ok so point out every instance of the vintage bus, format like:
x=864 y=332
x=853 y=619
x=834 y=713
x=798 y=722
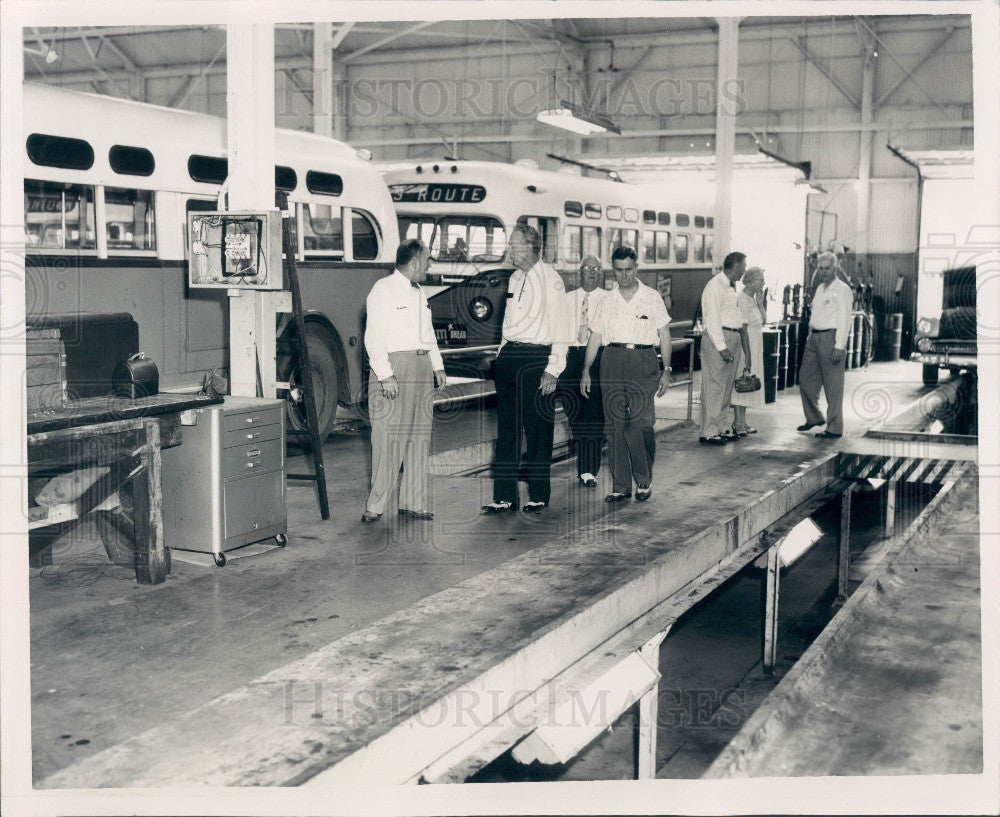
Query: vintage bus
x=465 y=210
x=108 y=186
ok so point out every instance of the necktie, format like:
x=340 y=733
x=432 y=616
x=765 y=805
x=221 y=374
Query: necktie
x=414 y=284
x=584 y=334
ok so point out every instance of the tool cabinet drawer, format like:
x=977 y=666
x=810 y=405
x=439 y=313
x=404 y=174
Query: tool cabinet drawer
x=250 y=435
x=253 y=504
x=265 y=416
x=251 y=458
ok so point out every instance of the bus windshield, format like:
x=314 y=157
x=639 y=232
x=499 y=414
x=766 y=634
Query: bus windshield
x=457 y=238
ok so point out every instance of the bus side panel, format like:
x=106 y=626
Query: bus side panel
x=151 y=291
x=685 y=291
x=204 y=337
x=338 y=293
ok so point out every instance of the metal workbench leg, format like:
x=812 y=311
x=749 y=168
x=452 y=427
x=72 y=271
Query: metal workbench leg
x=648 y=713
x=844 y=547
x=890 y=508
x=771 y=608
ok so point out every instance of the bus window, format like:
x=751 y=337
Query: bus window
x=631 y=214
x=547 y=229
x=60 y=151
x=680 y=247
x=573 y=209
x=710 y=222
x=592 y=210
x=364 y=235
x=571 y=245
x=630 y=238
x=613 y=213
x=592 y=241
x=683 y=220
x=663 y=218
x=649 y=216
x=699 y=247
x=59 y=216
x=614 y=239
x=469 y=238
x=662 y=246
x=649 y=246
x=131 y=161
x=708 y=247
x=129 y=219
x=421 y=227
x=323 y=229
x=699 y=222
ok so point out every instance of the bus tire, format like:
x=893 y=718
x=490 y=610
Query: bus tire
x=931 y=373
x=325 y=383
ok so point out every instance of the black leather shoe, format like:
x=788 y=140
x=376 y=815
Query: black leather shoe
x=807 y=426
x=370 y=517
x=534 y=507
x=415 y=514
x=828 y=435
x=713 y=440
x=642 y=494
x=499 y=507
x=617 y=497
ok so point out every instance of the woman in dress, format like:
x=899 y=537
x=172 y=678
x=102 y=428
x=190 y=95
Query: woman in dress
x=749 y=303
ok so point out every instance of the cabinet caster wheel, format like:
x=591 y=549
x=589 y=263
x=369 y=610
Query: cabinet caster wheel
x=281 y=540
x=220 y=559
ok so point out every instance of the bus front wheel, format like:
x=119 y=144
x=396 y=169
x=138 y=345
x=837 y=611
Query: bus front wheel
x=324 y=380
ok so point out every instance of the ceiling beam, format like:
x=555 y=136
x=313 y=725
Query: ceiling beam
x=128 y=92
x=184 y=92
x=826 y=71
x=127 y=62
x=342 y=32
x=627 y=72
x=299 y=85
x=907 y=75
x=388 y=39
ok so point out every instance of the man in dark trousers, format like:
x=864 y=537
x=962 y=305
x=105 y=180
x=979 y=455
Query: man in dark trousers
x=585 y=414
x=631 y=323
x=531 y=358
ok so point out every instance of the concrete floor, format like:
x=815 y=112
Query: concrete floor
x=111 y=658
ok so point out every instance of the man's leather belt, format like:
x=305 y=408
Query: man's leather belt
x=731 y=329
x=817 y=331
x=518 y=344
x=631 y=345
x=411 y=352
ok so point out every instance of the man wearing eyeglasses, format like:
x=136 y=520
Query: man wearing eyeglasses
x=585 y=414
x=631 y=322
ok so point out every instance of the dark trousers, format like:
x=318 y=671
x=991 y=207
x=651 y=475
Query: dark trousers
x=585 y=415
x=629 y=379
x=521 y=408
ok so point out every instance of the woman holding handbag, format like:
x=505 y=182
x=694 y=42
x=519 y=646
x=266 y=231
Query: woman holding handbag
x=749 y=301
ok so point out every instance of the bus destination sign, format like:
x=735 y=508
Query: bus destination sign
x=433 y=192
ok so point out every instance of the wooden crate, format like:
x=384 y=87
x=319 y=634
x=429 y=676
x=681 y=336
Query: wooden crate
x=45 y=369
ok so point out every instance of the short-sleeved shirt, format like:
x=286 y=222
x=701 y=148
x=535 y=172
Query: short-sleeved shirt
x=634 y=321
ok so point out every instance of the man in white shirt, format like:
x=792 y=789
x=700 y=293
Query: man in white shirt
x=531 y=358
x=585 y=414
x=823 y=359
x=406 y=365
x=722 y=346
x=630 y=322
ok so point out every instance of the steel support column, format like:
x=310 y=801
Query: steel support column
x=726 y=100
x=890 y=508
x=865 y=152
x=250 y=186
x=323 y=79
x=648 y=712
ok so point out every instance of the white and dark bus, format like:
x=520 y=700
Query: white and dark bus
x=465 y=211
x=108 y=186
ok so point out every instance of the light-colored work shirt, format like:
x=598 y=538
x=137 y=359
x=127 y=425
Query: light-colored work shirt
x=534 y=313
x=580 y=305
x=719 y=309
x=636 y=320
x=399 y=320
x=832 y=307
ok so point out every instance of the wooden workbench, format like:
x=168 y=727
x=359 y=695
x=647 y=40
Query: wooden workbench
x=126 y=437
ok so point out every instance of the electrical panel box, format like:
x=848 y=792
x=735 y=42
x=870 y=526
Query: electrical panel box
x=235 y=250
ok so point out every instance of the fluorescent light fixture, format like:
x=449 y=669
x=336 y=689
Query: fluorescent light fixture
x=569 y=117
x=799 y=539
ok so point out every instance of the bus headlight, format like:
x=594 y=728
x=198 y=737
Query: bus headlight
x=924 y=326
x=480 y=308
x=925 y=344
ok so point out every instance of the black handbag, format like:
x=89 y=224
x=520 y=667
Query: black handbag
x=135 y=377
x=747 y=382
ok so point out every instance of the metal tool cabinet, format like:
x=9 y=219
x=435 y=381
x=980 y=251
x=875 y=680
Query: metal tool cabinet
x=225 y=486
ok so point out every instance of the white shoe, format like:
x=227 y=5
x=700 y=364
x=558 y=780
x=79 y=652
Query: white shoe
x=588 y=479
